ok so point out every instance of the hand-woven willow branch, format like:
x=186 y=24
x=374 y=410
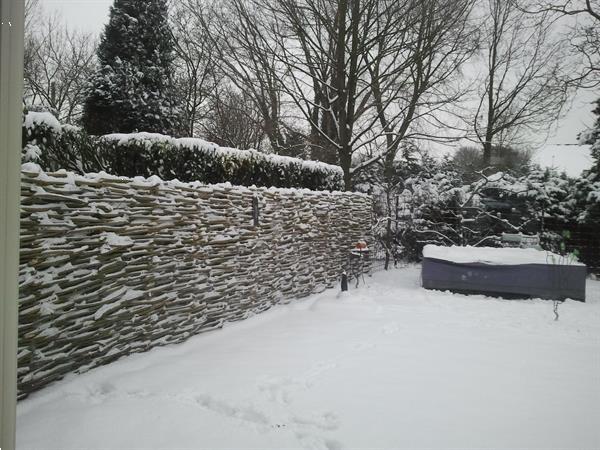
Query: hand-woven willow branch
x=113 y=266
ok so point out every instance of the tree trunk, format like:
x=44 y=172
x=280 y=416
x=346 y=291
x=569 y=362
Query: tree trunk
x=346 y=165
x=487 y=154
x=388 y=237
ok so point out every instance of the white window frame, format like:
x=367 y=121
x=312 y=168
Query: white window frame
x=11 y=94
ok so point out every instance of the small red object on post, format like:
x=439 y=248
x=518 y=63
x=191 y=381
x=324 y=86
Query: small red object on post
x=361 y=246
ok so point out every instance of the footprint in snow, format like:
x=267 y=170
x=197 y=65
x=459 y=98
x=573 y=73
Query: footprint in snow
x=319 y=369
x=390 y=328
x=279 y=389
x=364 y=346
x=312 y=442
x=325 y=421
x=93 y=394
x=139 y=393
x=245 y=413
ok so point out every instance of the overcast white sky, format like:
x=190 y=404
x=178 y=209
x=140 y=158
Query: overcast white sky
x=88 y=15
x=91 y=15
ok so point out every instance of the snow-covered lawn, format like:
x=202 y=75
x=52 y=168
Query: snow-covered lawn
x=388 y=365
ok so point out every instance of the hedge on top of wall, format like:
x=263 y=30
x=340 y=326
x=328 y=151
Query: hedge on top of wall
x=54 y=146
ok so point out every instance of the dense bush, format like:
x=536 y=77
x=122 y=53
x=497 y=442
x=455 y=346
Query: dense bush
x=55 y=147
x=424 y=201
x=542 y=202
x=438 y=208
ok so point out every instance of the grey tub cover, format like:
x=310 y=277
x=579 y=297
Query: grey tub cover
x=548 y=281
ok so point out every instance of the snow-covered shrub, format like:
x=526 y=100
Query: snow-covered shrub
x=55 y=147
x=423 y=201
x=584 y=227
x=586 y=197
x=41 y=130
x=427 y=201
x=468 y=161
x=546 y=205
x=545 y=191
x=192 y=159
x=385 y=180
x=437 y=206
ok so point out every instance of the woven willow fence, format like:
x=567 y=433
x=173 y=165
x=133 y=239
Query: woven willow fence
x=112 y=266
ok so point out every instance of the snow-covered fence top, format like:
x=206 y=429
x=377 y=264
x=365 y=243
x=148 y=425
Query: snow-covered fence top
x=111 y=265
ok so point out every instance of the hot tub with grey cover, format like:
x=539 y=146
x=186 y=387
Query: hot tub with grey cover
x=505 y=272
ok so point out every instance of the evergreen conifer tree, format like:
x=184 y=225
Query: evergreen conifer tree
x=133 y=89
x=587 y=188
x=592 y=137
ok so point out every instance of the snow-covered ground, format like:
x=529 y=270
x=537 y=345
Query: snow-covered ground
x=388 y=365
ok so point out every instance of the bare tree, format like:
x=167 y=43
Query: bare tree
x=33 y=18
x=583 y=25
x=32 y=15
x=521 y=90
x=195 y=65
x=58 y=64
x=362 y=73
x=320 y=47
x=414 y=72
x=243 y=57
x=232 y=120
x=356 y=75
x=412 y=79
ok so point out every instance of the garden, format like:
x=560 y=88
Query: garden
x=319 y=225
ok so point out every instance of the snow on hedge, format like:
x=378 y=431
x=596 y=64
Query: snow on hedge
x=42 y=119
x=57 y=147
x=147 y=140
